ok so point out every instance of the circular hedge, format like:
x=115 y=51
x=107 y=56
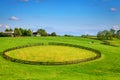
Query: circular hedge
x=98 y=55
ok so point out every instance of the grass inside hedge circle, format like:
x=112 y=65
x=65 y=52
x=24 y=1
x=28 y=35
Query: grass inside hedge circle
x=50 y=53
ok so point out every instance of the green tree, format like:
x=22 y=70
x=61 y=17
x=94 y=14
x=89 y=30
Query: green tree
x=104 y=35
x=22 y=31
x=10 y=29
x=29 y=32
x=17 y=32
x=42 y=32
x=118 y=34
x=6 y=30
x=85 y=36
x=112 y=31
x=100 y=36
x=25 y=32
x=108 y=35
x=53 y=34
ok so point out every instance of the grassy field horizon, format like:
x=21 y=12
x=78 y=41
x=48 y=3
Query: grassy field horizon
x=105 y=68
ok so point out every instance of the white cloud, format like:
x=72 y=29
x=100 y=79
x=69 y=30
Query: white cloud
x=13 y=18
x=0 y=25
x=113 y=9
x=24 y=0
x=116 y=27
x=7 y=27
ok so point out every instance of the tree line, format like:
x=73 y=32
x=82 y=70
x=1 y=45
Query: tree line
x=25 y=32
x=16 y=32
x=108 y=34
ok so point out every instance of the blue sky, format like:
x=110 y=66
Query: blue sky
x=73 y=17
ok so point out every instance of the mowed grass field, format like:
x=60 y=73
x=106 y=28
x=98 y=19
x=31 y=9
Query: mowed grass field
x=105 y=68
x=114 y=42
x=50 y=53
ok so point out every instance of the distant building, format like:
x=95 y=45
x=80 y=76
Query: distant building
x=9 y=33
x=36 y=34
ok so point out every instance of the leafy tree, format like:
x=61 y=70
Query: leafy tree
x=67 y=35
x=25 y=32
x=6 y=30
x=112 y=31
x=53 y=34
x=118 y=34
x=29 y=32
x=10 y=29
x=104 y=35
x=42 y=32
x=85 y=36
x=22 y=31
x=100 y=36
x=108 y=35
x=17 y=32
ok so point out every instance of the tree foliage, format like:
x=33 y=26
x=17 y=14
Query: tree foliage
x=67 y=35
x=104 y=35
x=26 y=32
x=53 y=34
x=108 y=35
x=29 y=32
x=85 y=36
x=42 y=32
x=112 y=31
x=17 y=32
x=118 y=34
x=8 y=30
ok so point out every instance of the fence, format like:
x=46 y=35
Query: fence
x=98 y=55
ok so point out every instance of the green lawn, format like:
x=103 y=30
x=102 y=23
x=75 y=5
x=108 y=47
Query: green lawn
x=115 y=42
x=105 y=68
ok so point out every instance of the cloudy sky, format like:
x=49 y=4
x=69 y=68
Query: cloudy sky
x=73 y=17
